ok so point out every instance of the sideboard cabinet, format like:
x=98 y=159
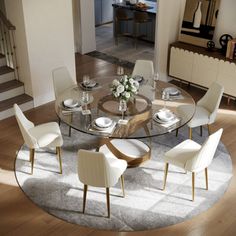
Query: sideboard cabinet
x=198 y=66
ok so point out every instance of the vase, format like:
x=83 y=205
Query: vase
x=197 y=16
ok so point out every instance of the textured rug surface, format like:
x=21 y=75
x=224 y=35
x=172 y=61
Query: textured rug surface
x=145 y=206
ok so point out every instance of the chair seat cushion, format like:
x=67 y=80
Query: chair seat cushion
x=48 y=134
x=131 y=147
x=200 y=117
x=181 y=153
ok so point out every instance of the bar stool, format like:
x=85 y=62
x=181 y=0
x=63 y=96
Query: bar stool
x=139 y=19
x=121 y=16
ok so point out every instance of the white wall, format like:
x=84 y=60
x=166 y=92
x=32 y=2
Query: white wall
x=50 y=42
x=169 y=20
x=226 y=22
x=84 y=26
x=15 y=15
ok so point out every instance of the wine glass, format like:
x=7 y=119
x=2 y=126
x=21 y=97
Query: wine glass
x=86 y=80
x=122 y=107
x=165 y=96
x=85 y=99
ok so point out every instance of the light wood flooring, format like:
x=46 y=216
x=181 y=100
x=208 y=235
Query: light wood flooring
x=19 y=216
x=125 y=49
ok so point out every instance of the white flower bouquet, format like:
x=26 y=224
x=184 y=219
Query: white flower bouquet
x=124 y=88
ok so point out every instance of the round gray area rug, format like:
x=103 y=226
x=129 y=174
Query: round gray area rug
x=145 y=206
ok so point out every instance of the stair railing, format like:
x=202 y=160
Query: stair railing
x=7 y=43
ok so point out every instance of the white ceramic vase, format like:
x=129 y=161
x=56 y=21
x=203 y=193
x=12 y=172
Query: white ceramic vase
x=197 y=16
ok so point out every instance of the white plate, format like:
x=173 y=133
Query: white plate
x=172 y=91
x=91 y=84
x=70 y=103
x=103 y=122
x=138 y=78
x=164 y=116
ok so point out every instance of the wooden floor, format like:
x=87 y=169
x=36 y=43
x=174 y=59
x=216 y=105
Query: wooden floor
x=19 y=216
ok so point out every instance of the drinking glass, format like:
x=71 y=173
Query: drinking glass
x=155 y=79
x=120 y=70
x=165 y=96
x=86 y=80
x=85 y=99
x=122 y=107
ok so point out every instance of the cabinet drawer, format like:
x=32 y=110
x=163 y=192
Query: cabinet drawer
x=181 y=63
x=205 y=70
x=227 y=77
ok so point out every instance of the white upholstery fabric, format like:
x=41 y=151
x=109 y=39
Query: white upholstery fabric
x=130 y=147
x=48 y=134
x=193 y=157
x=95 y=169
x=201 y=115
x=206 y=108
x=43 y=135
x=61 y=80
x=145 y=69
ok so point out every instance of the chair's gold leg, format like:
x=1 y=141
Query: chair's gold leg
x=122 y=184
x=165 y=177
x=84 y=197
x=209 y=131
x=193 y=185
x=206 y=175
x=108 y=202
x=201 y=130
x=177 y=132
x=32 y=151
x=190 y=133
x=69 y=131
x=58 y=151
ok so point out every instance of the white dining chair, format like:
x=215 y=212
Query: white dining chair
x=145 y=69
x=206 y=109
x=193 y=157
x=62 y=80
x=40 y=136
x=97 y=170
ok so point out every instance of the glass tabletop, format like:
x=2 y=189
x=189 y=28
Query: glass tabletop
x=140 y=119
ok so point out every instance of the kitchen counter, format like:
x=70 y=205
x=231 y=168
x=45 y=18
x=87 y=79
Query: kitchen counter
x=152 y=6
x=147 y=29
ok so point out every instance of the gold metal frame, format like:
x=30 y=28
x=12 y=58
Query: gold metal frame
x=32 y=155
x=193 y=180
x=107 y=196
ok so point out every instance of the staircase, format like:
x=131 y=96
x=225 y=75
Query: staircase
x=11 y=88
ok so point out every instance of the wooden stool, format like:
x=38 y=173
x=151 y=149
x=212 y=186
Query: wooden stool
x=121 y=16
x=139 y=19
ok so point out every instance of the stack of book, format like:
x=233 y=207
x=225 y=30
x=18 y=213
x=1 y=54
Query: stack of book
x=231 y=49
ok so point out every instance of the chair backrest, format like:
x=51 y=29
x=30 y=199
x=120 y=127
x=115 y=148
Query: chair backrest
x=94 y=169
x=211 y=100
x=61 y=80
x=140 y=16
x=145 y=69
x=121 y=14
x=205 y=155
x=24 y=125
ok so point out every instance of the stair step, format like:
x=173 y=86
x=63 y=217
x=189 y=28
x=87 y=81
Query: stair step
x=3 y=60
x=6 y=104
x=11 y=89
x=6 y=107
x=6 y=73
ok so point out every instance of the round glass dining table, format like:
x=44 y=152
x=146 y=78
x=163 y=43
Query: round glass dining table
x=138 y=116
